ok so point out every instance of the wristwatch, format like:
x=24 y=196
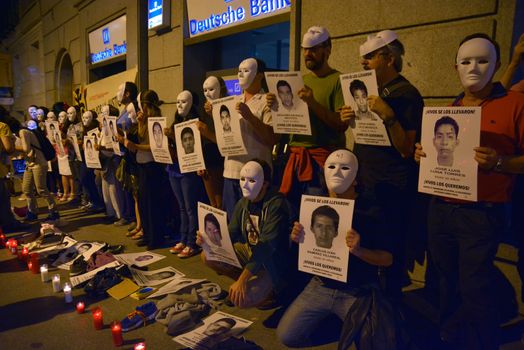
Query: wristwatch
x=498 y=165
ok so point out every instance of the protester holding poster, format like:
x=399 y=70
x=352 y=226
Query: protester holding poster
x=91 y=153
x=387 y=174
x=188 y=187
x=160 y=144
x=463 y=237
x=367 y=242
x=259 y=230
x=189 y=146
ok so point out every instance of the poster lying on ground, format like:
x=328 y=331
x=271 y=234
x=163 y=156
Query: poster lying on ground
x=76 y=280
x=80 y=249
x=175 y=285
x=158 y=141
x=212 y=225
x=290 y=114
x=216 y=328
x=449 y=136
x=367 y=127
x=227 y=127
x=139 y=259
x=155 y=277
x=326 y=222
x=189 y=146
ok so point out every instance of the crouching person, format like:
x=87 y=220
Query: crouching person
x=369 y=249
x=259 y=231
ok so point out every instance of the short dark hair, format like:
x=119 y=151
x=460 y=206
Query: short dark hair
x=113 y=111
x=88 y=142
x=228 y=320
x=186 y=130
x=224 y=108
x=132 y=89
x=357 y=85
x=482 y=36
x=446 y=120
x=281 y=83
x=325 y=210
x=261 y=65
x=210 y=217
x=155 y=124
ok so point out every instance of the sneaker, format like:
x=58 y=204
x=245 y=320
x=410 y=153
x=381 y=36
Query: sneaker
x=54 y=215
x=121 y=222
x=78 y=267
x=188 y=252
x=139 y=317
x=178 y=248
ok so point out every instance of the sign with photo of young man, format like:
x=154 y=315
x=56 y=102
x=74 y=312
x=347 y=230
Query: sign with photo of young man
x=158 y=141
x=189 y=147
x=227 y=127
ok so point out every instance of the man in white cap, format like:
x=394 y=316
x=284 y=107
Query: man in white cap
x=463 y=236
x=323 y=94
x=387 y=174
x=368 y=243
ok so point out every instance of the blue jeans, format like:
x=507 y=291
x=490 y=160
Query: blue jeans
x=307 y=311
x=231 y=194
x=188 y=191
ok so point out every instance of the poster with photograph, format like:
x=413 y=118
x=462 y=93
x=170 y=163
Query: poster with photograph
x=92 y=154
x=54 y=248
x=368 y=128
x=113 y=130
x=155 y=277
x=449 y=135
x=326 y=222
x=212 y=225
x=227 y=127
x=80 y=249
x=290 y=114
x=139 y=259
x=158 y=141
x=175 y=285
x=55 y=137
x=216 y=328
x=189 y=147
x=63 y=165
x=76 y=147
x=95 y=133
x=76 y=280
x=106 y=131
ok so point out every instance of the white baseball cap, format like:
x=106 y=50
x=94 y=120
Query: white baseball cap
x=315 y=35
x=376 y=41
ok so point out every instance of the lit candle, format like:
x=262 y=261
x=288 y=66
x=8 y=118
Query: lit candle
x=30 y=265
x=98 y=320
x=116 y=330
x=80 y=307
x=14 y=247
x=56 y=284
x=25 y=253
x=140 y=346
x=67 y=293
x=35 y=265
x=2 y=239
x=8 y=244
x=44 y=273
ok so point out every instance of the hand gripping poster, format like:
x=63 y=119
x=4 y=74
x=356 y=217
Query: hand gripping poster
x=290 y=114
x=227 y=127
x=212 y=225
x=189 y=147
x=158 y=141
x=367 y=127
x=449 y=136
x=323 y=251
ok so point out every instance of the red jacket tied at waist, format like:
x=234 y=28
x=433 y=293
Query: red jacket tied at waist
x=300 y=160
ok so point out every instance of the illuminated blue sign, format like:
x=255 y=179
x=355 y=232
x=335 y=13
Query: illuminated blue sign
x=232 y=86
x=154 y=14
x=105 y=36
x=108 y=53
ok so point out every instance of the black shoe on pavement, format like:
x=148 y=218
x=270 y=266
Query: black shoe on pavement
x=79 y=267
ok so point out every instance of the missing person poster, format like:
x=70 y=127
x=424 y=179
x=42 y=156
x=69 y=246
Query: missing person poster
x=91 y=154
x=158 y=141
x=155 y=277
x=449 y=136
x=216 y=328
x=212 y=225
x=113 y=130
x=82 y=249
x=290 y=114
x=55 y=137
x=227 y=127
x=106 y=131
x=175 y=285
x=139 y=259
x=74 y=142
x=326 y=222
x=96 y=134
x=189 y=147
x=367 y=127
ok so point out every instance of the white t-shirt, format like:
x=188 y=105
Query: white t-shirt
x=254 y=146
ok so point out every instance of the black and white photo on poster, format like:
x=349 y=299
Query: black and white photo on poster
x=155 y=277
x=158 y=140
x=91 y=153
x=139 y=259
x=81 y=248
x=74 y=141
x=175 y=285
x=227 y=127
x=113 y=130
x=189 y=146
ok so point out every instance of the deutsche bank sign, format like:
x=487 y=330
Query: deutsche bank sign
x=105 y=36
x=109 y=41
x=218 y=14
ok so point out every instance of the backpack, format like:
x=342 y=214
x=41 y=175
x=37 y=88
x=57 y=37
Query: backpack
x=45 y=145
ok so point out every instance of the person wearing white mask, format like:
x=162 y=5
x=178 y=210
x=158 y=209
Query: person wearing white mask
x=187 y=188
x=213 y=177
x=463 y=237
x=259 y=230
x=369 y=245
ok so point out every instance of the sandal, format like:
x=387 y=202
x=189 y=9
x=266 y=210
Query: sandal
x=188 y=252
x=178 y=248
x=138 y=235
x=133 y=232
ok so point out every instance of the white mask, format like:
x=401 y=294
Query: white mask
x=131 y=113
x=31 y=125
x=62 y=116
x=184 y=101
x=247 y=70
x=211 y=88
x=340 y=170
x=32 y=112
x=51 y=116
x=40 y=114
x=71 y=114
x=87 y=118
x=104 y=112
x=251 y=180
x=139 y=104
x=120 y=92
x=476 y=63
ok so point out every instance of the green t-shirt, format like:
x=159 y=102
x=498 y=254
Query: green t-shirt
x=328 y=92
x=4 y=158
